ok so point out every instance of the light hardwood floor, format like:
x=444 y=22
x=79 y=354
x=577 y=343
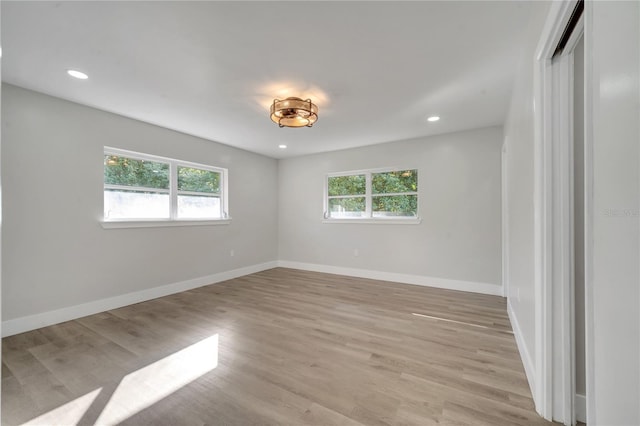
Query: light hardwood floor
x=292 y=347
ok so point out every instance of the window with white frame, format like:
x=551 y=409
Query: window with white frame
x=372 y=194
x=139 y=187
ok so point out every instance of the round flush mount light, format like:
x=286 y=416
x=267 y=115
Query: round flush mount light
x=433 y=118
x=77 y=74
x=282 y=146
x=294 y=112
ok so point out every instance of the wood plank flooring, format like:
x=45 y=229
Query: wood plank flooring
x=278 y=347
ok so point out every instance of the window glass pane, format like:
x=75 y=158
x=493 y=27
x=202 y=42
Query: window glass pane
x=395 y=205
x=347 y=185
x=135 y=205
x=198 y=207
x=198 y=180
x=130 y=172
x=395 y=182
x=346 y=207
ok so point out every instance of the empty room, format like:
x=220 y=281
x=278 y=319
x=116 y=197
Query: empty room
x=320 y=212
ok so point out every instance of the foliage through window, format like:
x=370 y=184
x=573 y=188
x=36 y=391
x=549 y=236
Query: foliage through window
x=145 y=187
x=372 y=194
x=347 y=195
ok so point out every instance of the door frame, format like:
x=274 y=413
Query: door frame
x=553 y=218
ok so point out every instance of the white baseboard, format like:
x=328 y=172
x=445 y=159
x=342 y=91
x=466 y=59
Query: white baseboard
x=474 y=287
x=32 y=322
x=581 y=408
x=525 y=355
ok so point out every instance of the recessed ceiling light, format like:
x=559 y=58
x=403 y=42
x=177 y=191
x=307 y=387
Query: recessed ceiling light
x=282 y=146
x=77 y=74
x=433 y=118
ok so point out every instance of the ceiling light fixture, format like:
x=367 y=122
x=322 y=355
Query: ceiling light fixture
x=282 y=146
x=433 y=118
x=294 y=112
x=77 y=74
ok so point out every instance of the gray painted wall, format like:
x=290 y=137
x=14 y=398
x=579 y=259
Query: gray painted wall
x=519 y=134
x=56 y=254
x=459 y=202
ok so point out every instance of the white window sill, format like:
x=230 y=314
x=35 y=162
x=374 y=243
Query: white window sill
x=378 y=221
x=117 y=224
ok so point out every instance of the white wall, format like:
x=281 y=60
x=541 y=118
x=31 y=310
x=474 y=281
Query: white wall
x=613 y=78
x=519 y=134
x=459 y=202
x=55 y=253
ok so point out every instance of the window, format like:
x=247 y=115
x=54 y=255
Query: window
x=142 y=187
x=198 y=193
x=347 y=196
x=372 y=194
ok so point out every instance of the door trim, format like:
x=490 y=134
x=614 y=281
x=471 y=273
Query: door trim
x=553 y=219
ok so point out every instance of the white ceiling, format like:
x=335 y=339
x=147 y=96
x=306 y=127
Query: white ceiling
x=376 y=70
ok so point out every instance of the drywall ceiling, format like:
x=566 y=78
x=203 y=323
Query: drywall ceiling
x=377 y=70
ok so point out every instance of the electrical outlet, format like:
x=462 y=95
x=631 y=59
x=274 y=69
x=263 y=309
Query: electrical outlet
x=232 y=253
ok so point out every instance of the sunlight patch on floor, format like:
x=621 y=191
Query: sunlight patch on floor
x=67 y=414
x=141 y=388
x=449 y=320
x=146 y=386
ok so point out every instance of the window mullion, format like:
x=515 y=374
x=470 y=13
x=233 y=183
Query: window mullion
x=199 y=194
x=173 y=189
x=338 y=197
x=224 y=196
x=393 y=194
x=135 y=188
x=326 y=213
x=368 y=198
